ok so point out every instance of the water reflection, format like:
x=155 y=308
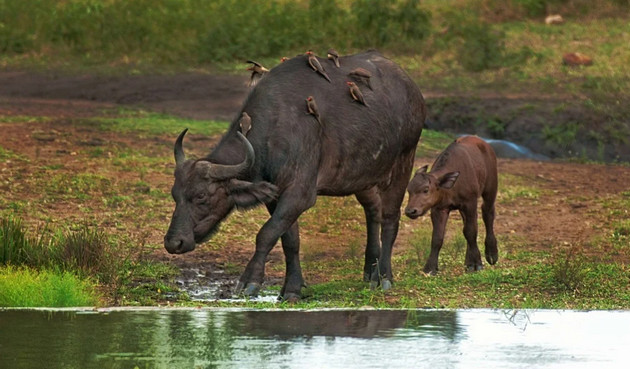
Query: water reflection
x=312 y=339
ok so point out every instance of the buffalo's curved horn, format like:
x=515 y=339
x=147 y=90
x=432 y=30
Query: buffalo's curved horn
x=220 y=171
x=180 y=157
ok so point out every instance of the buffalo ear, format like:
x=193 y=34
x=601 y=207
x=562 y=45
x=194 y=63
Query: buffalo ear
x=448 y=180
x=422 y=169
x=248 y=195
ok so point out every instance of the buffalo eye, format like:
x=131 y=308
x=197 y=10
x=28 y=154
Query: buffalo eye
x=425 y=190
x=200 y=199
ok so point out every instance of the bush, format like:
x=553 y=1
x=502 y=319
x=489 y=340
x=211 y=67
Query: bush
x=25 y=287
x=83 y=252
x=569 y=271
x=18 y=248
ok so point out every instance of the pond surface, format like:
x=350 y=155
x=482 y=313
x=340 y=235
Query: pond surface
x=235 y=338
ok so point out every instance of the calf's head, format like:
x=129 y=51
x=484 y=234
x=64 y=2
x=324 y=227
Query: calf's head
x=205 y=193
x=426 y=191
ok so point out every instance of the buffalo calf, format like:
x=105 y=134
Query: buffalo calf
x=463 y=172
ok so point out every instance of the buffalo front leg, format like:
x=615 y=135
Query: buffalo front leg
x=473 y=256
x=283 y=222
x=439 y=217
x=371 y=202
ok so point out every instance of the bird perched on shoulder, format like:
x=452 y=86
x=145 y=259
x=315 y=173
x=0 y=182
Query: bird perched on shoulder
x=283 y=59
x=311 y=106
x=245 y=123
x=362 y=74
x=356 y=93
x=257 y=72
x=317 y=67
x=334 y=56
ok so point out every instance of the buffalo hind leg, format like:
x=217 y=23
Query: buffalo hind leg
x=371 y=202
x=293 y=280
x=391 y=199
x=473 y=256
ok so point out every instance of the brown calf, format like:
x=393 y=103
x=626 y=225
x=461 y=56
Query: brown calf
x=464 y=171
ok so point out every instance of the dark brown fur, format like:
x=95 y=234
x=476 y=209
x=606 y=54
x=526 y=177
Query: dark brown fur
x=463 y=172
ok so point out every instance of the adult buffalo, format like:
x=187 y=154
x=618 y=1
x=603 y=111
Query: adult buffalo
x=290 y=157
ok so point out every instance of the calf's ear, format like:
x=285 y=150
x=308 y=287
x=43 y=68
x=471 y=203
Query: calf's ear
x=448 y=180
x=422 y=169
x=248 y=195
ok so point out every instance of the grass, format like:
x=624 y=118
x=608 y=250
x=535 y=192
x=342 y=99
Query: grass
x=126 y=202
x=148 y=123
x=25 y=287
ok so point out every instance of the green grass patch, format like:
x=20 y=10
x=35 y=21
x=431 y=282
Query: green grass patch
x=157 y=124
x=512 y=188
x=25 y=287
x=433 y=142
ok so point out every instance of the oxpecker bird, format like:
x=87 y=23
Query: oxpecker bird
x=334 y=56
x=283 y=59
x=311 y=106
x=246 y=123
x=257 y=72
x=317 y=67
x=356 y=93
x=362 y=74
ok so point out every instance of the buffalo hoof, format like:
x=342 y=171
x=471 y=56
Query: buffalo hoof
x=492 y=259
x=366 y=277
x=251 y=290
x=474 y=268
x=430 y=271
x=386 y=284
x=290 y=298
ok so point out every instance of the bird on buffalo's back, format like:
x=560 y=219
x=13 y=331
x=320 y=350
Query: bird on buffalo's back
x=362 y=74
x=356 y=93
x=311 y=106
x=334 y=56
x=257 y=72
x=315 y=64
x=245 y=123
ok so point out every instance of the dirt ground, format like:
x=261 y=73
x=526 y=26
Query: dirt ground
x=569 y=210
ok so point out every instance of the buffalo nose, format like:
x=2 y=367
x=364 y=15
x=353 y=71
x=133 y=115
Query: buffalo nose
x=173 y=246
x=412 y=212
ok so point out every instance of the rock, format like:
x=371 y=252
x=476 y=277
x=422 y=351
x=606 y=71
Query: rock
x=576 y=59
x=554 y=19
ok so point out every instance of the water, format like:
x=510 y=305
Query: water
x=235 y=338
x=510 y=150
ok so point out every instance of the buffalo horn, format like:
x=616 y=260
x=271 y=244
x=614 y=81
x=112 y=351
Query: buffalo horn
x=220 y=171
x=179 y=150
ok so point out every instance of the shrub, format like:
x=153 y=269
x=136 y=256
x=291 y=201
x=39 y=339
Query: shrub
x=18 y=248
x=569 y=271
x=25 y=287
x=85 y=250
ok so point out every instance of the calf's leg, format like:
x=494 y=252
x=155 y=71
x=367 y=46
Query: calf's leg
x=439 y=217
x=487 y=213
x=473 y=256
